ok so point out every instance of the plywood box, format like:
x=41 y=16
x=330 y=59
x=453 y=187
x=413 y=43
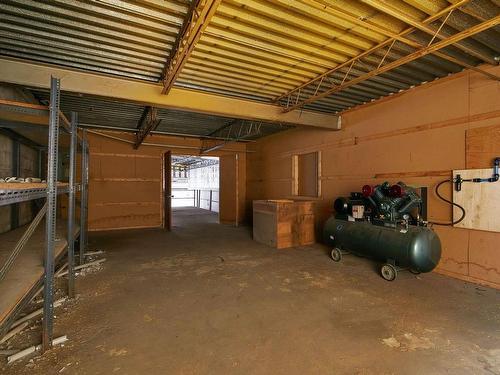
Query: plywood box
x=283 y=223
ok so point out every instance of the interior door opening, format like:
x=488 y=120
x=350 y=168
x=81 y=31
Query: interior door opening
x=194 y=189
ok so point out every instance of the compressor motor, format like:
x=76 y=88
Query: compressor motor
x=384 y=222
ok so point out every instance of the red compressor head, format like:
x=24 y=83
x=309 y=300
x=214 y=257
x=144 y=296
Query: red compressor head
x=397 y=191
x=367 y=191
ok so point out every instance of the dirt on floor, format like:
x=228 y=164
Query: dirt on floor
x=206 y=299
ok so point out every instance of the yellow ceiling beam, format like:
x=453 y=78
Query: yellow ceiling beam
x=38 y=75
x=200 y=17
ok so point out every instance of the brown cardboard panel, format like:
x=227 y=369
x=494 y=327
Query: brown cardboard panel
x=484 y=93
x=242 y=187
x=418 y=137
x=307 y=174
x=228 y=187
x=116 y=216
x=124 y=191
x=114 y=166
x=147 y=167
x=483 y=145
x=454 y=255
x=125 y=179
x=428 y=103
x=483 y=256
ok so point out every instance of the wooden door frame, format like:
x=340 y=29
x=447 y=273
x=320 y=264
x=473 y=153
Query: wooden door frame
x=166 y=191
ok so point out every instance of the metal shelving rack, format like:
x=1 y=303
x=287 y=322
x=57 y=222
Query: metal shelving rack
x=26 y=115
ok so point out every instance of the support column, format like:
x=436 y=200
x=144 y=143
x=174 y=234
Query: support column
x=71 y=205
x=48 y=295
x=83 y=197
x=16 y=171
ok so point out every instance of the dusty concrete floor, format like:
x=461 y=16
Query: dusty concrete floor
x=206 y=299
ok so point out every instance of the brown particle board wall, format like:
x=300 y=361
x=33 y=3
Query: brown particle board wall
x=125 y=185
x=418 y=137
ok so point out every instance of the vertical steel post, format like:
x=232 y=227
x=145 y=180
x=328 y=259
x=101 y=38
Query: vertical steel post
x=210 y=203
x=40 y=164
x=16 y=172
x=83 y=197
x=48 y=295
x=71 y=206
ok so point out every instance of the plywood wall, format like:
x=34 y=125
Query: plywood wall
x=125 y=185
x=418 y=137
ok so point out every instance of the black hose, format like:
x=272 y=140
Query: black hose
x=450 y=202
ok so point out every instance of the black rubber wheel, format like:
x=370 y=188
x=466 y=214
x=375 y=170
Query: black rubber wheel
x=388 y=272
x=415 y=272
x=336 y=255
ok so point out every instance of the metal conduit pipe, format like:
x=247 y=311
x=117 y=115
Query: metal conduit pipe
x=156 y=144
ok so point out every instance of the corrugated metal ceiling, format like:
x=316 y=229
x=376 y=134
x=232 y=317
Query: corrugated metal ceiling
x=99 y=112
x=256 y=49
x=266 y=48
x=126 y=38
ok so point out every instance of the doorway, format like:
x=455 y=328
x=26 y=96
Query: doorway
x=194 y=193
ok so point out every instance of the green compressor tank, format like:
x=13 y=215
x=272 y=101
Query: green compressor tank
x=416 y=248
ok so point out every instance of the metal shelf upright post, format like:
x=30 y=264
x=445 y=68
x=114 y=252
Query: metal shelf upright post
x=84 y=196
x=50 y=222
x=30 y=114
x=71 y=205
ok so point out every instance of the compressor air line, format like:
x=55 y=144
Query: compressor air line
x=458 y=187
x=450 y=202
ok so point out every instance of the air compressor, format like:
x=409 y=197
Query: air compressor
x=384 y=222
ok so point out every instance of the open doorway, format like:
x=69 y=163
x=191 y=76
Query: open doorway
x=195 y=189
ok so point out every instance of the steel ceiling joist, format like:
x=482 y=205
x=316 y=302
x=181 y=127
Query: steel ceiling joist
x=149 y=122
x=199 y=15
x=435 y=32
x=388 y=44
x=297 y=99
x=234 y=131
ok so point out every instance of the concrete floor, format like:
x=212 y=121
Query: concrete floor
x=206 y=299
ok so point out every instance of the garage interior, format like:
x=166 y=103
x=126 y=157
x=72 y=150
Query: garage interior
x=249 y=186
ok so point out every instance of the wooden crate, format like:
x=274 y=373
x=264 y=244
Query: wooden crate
x=283 y=223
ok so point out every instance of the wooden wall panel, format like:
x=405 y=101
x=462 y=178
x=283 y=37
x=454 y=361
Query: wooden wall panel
x=483 y=256
x=125 y=185
x=228 y=210
x=418 y=137
x=483 y=145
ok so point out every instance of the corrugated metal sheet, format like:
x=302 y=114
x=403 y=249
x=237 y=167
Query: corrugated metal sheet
x=120 y=37
x=266 y=48
x=93 y=111
x=255 y=49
